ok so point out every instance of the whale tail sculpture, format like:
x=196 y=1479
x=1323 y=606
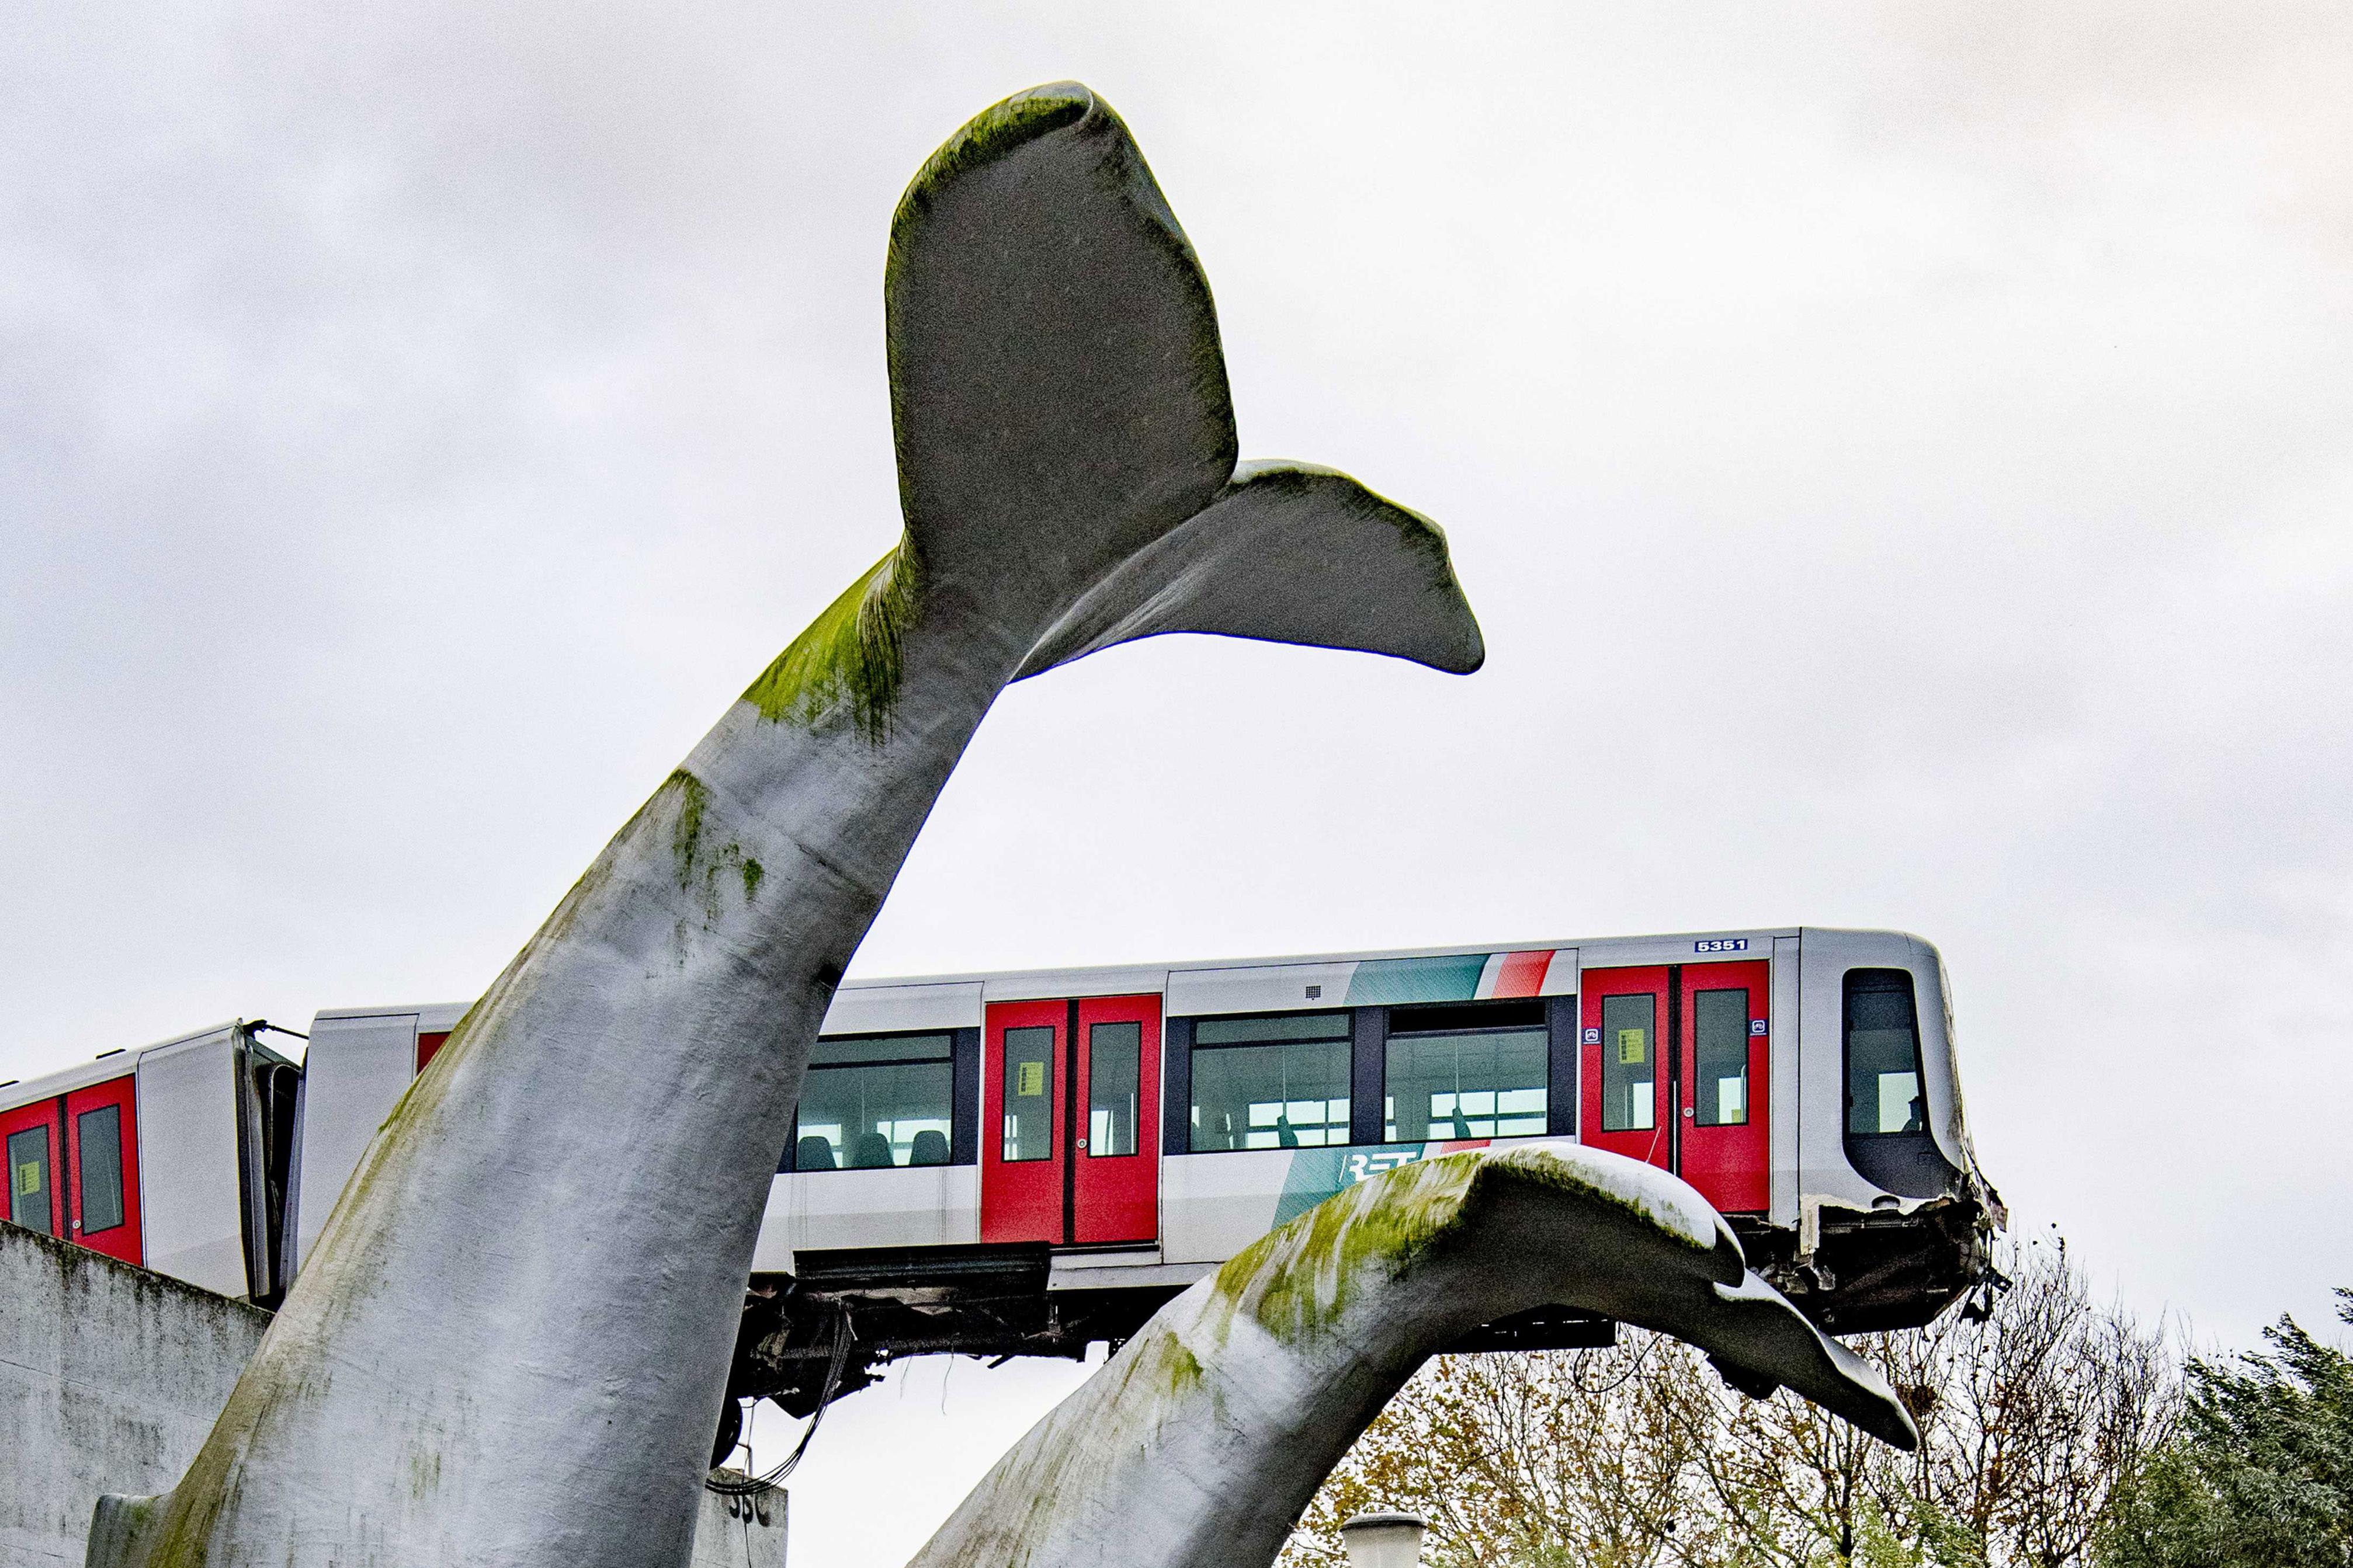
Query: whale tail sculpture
x=1041 y=298
x=508 y=1345
x=1200 y=1444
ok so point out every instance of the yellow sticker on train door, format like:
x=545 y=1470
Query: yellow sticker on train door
x=1630 y=1046
x=29 y=1178
x=1029 y=1080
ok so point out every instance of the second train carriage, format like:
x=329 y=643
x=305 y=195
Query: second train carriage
x=1023 y=1163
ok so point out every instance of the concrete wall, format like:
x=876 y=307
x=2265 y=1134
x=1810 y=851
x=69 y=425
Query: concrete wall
x=111 y=1376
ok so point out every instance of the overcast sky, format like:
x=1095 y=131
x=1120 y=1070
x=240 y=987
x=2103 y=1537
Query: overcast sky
x=1898 y=456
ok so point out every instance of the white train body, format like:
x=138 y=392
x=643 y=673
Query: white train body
x=1019 y=1162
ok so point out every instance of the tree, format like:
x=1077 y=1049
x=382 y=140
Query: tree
x=1638 y=1456
x=2262 y=1472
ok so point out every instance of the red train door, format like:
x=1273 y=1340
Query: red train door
x=1726 y=1072
x=28 y=1135
x=1623 y=1041
x=102 y=1131
x=1069 y=1120
x=1115 y=1175
x=1024 y=1101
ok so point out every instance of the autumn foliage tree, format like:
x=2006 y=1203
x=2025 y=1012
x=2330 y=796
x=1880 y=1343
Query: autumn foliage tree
x=1638 y=1456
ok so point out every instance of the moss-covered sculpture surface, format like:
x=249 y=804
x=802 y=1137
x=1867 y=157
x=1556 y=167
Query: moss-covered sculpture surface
x=1201 y=1441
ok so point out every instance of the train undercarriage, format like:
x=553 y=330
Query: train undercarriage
x=836 y=1325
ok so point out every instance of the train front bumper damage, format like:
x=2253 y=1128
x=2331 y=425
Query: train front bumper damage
x=1868 y=1270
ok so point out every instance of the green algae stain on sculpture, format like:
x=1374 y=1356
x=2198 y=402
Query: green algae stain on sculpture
x=852 y=655
x=686 y=835
x=1201 y=1439
x=1297 y=1279
x=996 y=130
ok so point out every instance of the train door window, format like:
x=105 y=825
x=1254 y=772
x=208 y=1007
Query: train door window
x=31 y=1180
x=1115 y=1071
x=98 y=1161
x=1029 y=1094
x=1882 y=1054
x=871 y=1103
x=1720 y=1053
x=1280 y=1082
x=1630 y=1062
x=1465 y=1072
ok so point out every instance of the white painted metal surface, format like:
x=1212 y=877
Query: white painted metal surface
x=906 y=1206
x=192 y=1208
x=889 y=1007
x=358 y=1065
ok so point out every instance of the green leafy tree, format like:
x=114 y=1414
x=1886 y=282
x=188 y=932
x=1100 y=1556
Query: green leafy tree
x=2261 y=1475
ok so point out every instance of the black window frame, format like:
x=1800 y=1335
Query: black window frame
x=1178 y=1106
x=82 y=1125
x=964 y=1097
x=1907 y=1163
x=1467 y=1017
x=1368 y=1069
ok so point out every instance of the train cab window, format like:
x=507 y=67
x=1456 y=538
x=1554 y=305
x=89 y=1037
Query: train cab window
x=1114 y=1065
x=1270 y=1083
x=1630 y=1062
x=28 y=1179
x=1882 y=1054
x=1720 y=1058
x=1030 y=1094
x=98 y=1153
x=873 y=1104
x=1471 y=1071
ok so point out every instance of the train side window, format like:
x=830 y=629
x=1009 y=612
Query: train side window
x=1630 y=1062
x=1720 y=1056
x=28 y=1179
x=98 y=1153
x=1280 y=1082
x=871 y=1103
x=1882 y=1054
x=1114 y=1066
x=1030 y=1094
x=1470 y=1071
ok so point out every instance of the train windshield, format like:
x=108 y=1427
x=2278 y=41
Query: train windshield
x=1883 y=1092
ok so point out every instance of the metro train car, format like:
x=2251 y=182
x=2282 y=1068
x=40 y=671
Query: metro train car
x=173 y=1156
x=1024 y=1164
x=1021 y=1163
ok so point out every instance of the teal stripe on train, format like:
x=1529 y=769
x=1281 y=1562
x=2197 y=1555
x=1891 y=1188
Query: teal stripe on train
x=1390 y=982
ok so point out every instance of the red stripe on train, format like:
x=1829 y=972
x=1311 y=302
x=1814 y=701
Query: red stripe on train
x=1523 y=973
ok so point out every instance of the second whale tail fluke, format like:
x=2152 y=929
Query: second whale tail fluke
x=1067 y=453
